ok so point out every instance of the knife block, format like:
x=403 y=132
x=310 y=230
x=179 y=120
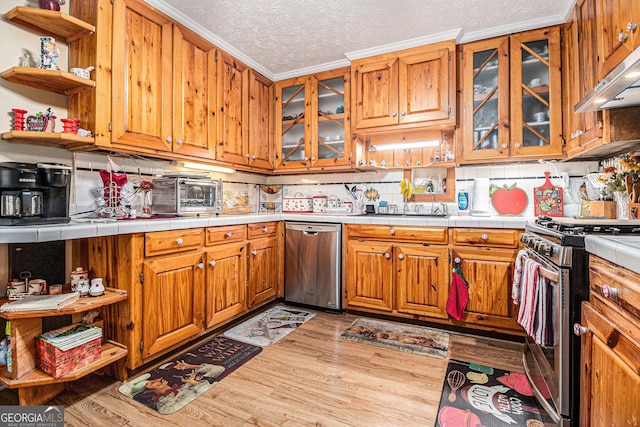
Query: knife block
x=605 y=209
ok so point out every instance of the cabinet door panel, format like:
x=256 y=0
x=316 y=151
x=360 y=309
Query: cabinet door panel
x=226 y=284
x=194 y=128
x=370 y=275
x=263 y=270
x=610 y=379
x=172 y=295
x=293 y=116
x=142 y=77
x=424 y=87
x=260 y=138
x=613 y=16
x=233 y=82
x=489 y=272
x=422 y=279
x=376 y=93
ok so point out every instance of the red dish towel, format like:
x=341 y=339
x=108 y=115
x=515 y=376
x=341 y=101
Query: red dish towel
x=458 y=297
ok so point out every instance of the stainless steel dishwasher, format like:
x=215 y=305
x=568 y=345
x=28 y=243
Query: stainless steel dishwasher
x=312 y=264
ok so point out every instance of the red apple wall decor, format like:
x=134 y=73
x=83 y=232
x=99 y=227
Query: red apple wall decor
x=508 y=200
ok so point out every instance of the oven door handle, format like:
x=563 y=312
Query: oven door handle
x=555 y=416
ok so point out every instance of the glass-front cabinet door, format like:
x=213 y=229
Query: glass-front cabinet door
x=293 y=136
x=486 y=106
x=536 y=96
x=512 y=96
x=331 y=137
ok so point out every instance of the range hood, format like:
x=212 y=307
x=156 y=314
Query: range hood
x=620 y=88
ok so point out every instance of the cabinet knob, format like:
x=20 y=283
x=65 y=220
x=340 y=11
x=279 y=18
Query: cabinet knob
x=313 y=158
x=622 y=37
x=403 y=113
x=392 y=231
x=212 y=263
x=179 y=241
x=228 y=234
x=517 y=145
x=247 y=155
x=169 y=139
x=631 y=26
x=504 y=145
x=253 y=157
x=265 y=229
x=254 y=252
x=608 y=291
x=484 y=237
x=387 y=256
x=179 y=141
x=201 y=265
x=394 y=114
x=400 y=256
x=578 y=329
x=306 y=159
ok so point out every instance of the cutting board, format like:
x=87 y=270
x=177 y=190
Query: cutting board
x=548 y=199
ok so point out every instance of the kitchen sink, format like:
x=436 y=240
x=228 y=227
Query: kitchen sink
x=407 y=214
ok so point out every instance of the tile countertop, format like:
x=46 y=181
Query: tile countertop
x=622 y=250
x=84 y=229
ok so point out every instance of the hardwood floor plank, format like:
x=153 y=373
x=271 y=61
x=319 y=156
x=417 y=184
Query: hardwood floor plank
x=312 y=377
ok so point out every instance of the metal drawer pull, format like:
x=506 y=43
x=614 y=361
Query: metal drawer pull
x=179 y=240
x=212 y=263
x=484 y=237
x=392 y=231
x=265 y=229
x=228 y=234
x=387 y=256
x=579 y=330
x=608 y=291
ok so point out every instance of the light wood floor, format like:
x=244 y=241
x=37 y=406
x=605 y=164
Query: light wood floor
x=310 y=378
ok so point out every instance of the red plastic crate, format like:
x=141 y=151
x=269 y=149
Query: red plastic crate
x=58 y=363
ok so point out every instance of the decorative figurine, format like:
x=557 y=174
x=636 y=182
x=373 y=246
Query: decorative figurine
x=41 y=122
x=48 y=54
x=25 y=61
x=51 y=4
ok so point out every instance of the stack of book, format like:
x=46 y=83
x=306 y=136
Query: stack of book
x=71 y=336
x=63 y=350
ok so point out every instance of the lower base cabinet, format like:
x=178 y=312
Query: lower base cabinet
x=183 y=283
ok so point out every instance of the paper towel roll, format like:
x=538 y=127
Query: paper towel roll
x=481 y=201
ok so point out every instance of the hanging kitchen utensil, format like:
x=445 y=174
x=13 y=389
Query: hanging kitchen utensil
x=548 y=199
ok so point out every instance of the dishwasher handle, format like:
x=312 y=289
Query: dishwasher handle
x=310 y=233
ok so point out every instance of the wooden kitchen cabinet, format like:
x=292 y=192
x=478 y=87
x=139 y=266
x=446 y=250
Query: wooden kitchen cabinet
x=313 y=122
x=487 y=258
x=263 y=277
x=173 y=294
x=617 y=31
x=511 y=96
x=406 y=89
x=260 y=145
x=610 y=355
x=386 y=273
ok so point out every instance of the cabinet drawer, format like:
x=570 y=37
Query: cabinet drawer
x=166 y=242
x=616 y=285
x=262 y=229
x=399 y=233
x=225 y=234
x=486 y=237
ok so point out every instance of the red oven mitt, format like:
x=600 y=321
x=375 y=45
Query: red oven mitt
x=458 y=294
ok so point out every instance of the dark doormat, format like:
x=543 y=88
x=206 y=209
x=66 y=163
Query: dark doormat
x=481 y=396
x=174 y=384
x=399 y=336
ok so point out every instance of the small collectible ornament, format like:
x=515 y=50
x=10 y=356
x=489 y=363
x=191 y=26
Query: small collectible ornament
x=48 y=53
x=41 y=122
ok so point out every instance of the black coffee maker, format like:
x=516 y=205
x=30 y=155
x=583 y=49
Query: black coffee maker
x=34 y=193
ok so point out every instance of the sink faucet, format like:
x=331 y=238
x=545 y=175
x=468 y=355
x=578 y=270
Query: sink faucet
x=437 y=210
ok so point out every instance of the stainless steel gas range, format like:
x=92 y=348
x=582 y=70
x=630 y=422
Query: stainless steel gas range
x=558 y=245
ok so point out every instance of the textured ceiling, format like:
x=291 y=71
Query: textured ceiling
x=284 y=38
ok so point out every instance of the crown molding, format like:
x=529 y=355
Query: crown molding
x=511 y=28
x=178 y=16
x=405 y=44
x=313 y=69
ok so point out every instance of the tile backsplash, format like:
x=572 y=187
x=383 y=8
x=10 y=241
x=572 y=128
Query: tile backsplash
x=87 y=184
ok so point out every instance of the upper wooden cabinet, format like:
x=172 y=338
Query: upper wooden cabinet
x=245 y=100
x=618 y=32
x=410 y=88
x=511 y=98
x=313 y=122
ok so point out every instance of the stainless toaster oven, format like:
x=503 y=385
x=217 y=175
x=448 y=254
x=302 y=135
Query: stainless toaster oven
x=186 y=196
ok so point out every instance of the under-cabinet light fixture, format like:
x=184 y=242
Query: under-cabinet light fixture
x=406 y=145
x=211 y=168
